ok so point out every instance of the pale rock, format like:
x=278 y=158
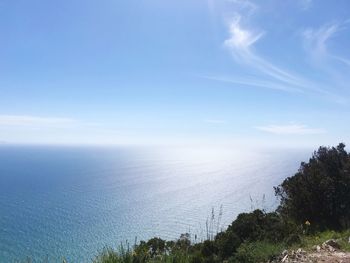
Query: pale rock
x=333 y=243
x=318 y=248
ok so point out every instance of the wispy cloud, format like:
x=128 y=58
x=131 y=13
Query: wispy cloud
x=343 y=60
x=244 y=5
x=316 y=41
x=263 y=71
x=305 y=4
x=241 y=45
x=25 y=120
x=332 y=62
x=254 y=82
x=241 y=39
x=290 y=129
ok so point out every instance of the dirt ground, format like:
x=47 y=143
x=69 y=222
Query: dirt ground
x=328 y=252
x=330 y=257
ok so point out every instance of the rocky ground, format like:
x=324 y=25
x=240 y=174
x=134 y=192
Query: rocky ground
x=328 y=252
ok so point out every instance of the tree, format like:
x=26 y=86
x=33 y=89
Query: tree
x=320 y=191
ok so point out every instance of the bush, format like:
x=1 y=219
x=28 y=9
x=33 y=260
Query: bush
x=209 y=248
x=156 y=246
x=320 y=191
x=248 y=226
x=258 y=225
x=259 y=251
x=227 y=243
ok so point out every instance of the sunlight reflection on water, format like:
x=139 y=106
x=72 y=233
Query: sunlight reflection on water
x=73 y=201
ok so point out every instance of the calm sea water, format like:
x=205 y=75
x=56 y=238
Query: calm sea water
x=60 y=202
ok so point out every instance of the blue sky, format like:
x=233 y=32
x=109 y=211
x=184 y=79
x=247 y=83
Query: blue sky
x=175 y=72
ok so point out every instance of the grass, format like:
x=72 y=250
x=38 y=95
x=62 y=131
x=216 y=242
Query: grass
x=309 y=241
x=122 y=255
x=109 y=255
x=260 y=251
x=248 y=252
x=112 y=256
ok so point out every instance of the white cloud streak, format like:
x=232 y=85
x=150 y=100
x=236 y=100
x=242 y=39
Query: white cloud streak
x=254 y=82
x=290 y=129
x=240 y=43
x=241 y=39
x=316 y=41
x=245 y=5
x=305 y=4
x=333 y=64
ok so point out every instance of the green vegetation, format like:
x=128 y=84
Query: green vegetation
x=309 y=241
x=260 y=251
x=316 y=198
x=320 y=191
x=315 y=203
x=252 y=237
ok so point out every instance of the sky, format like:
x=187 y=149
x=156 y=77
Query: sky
x=223 y=72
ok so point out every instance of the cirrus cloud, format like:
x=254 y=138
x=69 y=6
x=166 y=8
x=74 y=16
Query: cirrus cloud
x=241 y=45
x=290 y=129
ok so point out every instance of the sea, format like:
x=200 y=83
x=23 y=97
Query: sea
x=71 y=202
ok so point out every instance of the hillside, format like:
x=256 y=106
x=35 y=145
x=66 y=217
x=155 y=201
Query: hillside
x=311 y=222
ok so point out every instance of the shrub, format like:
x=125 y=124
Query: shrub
x=227 y=243
x=259 y=251
x=248 y=226
x=208 y=248
x=156 y=246
x=320 y=191
x=259 y=225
